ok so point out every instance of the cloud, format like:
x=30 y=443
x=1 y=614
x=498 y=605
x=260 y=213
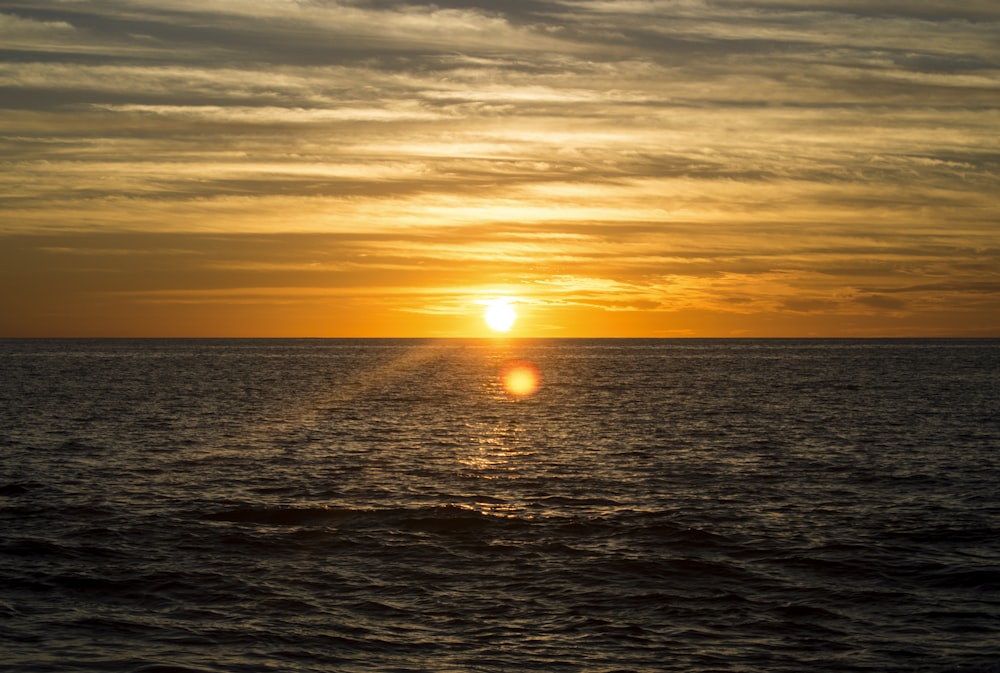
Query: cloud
x=984 y=287
x=805 y=158
x=881 y=301
x=13 y=28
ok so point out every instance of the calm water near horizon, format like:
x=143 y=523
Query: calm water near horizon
x=349 y=505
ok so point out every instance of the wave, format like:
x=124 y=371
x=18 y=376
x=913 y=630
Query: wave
x=167 y=668
x=649 y=530
x=441 y=518
x=18 y=488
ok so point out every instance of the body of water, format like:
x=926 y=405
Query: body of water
x=197 y=506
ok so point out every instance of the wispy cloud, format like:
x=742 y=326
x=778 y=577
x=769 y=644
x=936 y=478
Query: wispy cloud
x=811 y=159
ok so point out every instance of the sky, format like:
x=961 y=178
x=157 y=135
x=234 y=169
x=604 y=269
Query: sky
x=384 y=168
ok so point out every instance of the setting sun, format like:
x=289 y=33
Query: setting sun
x=500 y=315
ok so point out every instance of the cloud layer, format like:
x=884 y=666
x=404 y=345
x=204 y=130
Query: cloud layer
x=623 y=167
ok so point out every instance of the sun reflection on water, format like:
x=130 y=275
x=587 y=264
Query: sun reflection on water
x=498 y=454
x=498 y=457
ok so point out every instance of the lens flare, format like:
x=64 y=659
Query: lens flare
x=520 y=379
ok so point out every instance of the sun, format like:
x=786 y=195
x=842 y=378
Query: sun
x=500 y=315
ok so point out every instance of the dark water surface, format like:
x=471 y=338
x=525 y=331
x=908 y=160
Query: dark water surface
x=383 y=505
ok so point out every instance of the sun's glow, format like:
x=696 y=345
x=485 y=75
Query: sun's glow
x=500 y=315
x=520 y=379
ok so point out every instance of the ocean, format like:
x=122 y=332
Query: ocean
x=341 y=505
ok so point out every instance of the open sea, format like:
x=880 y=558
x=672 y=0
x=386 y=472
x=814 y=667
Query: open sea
x=194 y=506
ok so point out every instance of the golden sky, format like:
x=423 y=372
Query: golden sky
x=384 y=167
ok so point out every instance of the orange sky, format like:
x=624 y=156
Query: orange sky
x=382 y=168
